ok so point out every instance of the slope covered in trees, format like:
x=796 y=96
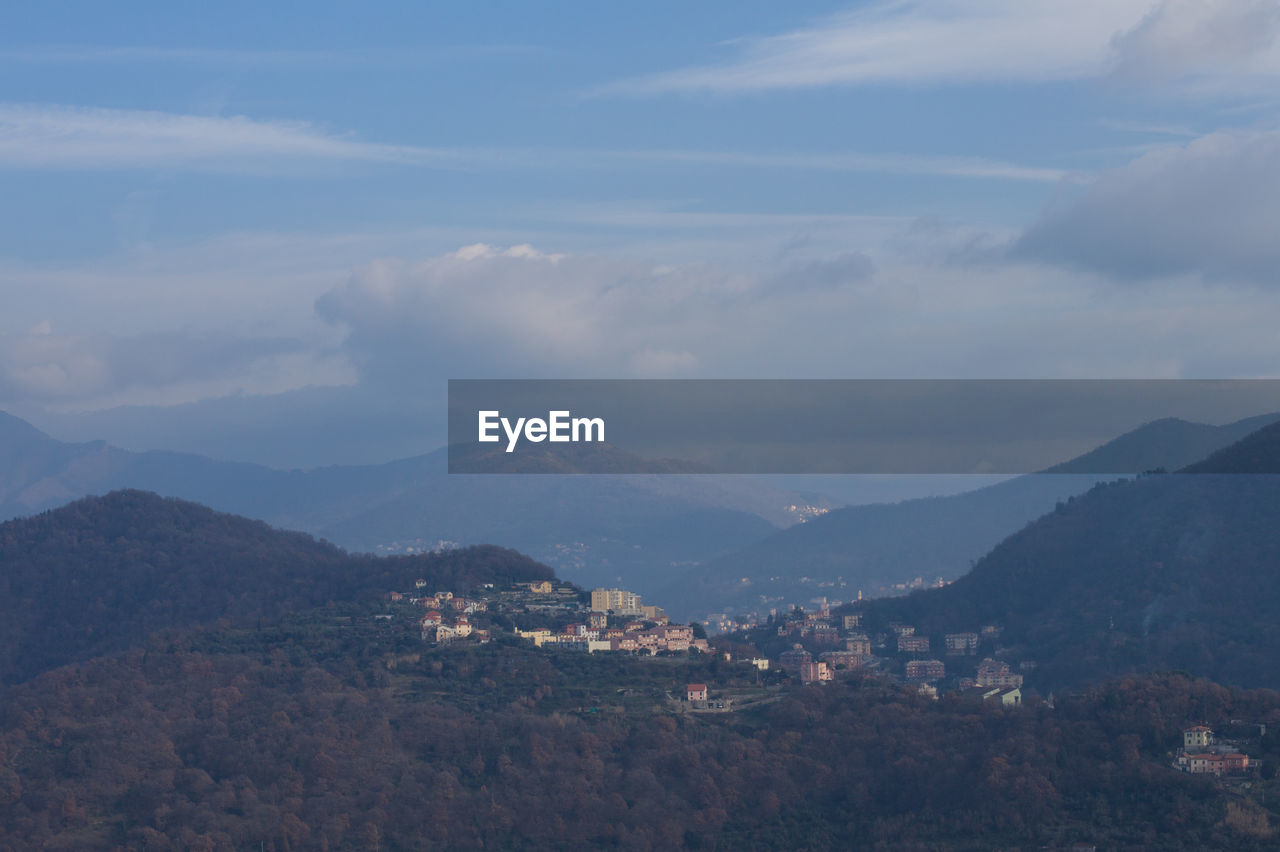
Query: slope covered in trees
x=313 y=738
x=297 y=719
x=103 y=573
x=871 y=548
x=1169 y=571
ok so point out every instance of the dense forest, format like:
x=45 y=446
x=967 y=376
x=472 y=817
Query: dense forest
x=310 y=735
x=103 y=573
x=1169 y=571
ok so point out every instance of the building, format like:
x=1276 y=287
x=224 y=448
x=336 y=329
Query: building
x=1197 y=737
x=696 y=692
x=926 y=670
x=793 y=659
x=825 y=635
x=858 y=643
x=913 y=644
x=1215 y=764
x=958 y=644
x=537 y=637
x=995 y=673
x=620 y=601
x=597 y=620
x=841 y=659
x=812 y=672
x=852 y=621
x=761 y=663
x=623 y=643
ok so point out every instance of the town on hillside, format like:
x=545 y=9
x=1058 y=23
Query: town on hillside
x=799 y=647
x=549 y=614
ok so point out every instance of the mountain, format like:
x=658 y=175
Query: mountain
x=598 y=529
x=214 y=684
x=1172 y=571
x=882 y=549
x=103 y=573
x=1168 y=444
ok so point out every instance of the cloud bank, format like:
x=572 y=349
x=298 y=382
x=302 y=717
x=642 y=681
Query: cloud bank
x=1209 y=208
x=951 y=42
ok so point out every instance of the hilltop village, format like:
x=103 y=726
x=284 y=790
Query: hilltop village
x=799 y=647
x=551 y=615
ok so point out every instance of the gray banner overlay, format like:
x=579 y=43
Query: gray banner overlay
x=823 y=426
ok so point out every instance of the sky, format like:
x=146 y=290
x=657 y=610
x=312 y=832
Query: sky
x=222 y=226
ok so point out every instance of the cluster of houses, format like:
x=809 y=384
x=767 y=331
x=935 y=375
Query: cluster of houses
x=993 y=681
x=632 y=636
x=800 y=662
x=1201 y=754
x=448 y=616
x=617 y=621
x=848 y=650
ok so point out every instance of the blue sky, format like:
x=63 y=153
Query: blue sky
x=207 y=204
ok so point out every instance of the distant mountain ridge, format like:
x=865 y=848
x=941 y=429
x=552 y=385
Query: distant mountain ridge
x=872 y=548
x=1170 y=443
x=593 y=529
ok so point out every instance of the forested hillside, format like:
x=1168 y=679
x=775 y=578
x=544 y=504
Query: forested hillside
x=313 y=738
x=1177 y=571
x=102 y=573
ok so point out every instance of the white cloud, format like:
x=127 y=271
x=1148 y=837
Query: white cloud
x=1208 y=207
x=497 y=313
x=866 y=308
x=920 y=41
x=1225 y=44
x=482 y=308
x=1206 y=40
x=63 y=137
x=42 y=136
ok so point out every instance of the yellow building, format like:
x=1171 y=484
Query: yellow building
x=620 y=601
x=537 y=637
x=1197 y=737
